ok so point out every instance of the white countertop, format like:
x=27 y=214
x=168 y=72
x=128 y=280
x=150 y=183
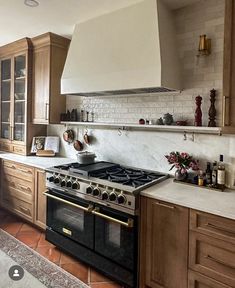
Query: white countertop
x=35 y=161
x=207 y=200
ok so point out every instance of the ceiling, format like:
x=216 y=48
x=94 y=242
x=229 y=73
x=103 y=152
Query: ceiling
x=58 y=16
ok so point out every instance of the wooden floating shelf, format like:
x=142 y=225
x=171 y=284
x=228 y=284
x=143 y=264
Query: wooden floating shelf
x=147 y=127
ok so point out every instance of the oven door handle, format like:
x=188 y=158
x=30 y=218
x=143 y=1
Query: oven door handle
x=87 y=209
x=128 y=224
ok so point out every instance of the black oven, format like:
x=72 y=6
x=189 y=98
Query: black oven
x=98 y=235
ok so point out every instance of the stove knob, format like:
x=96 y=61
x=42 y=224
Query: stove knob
x=69 y=183
x=96 y=191
x=57 y=180
x=75 y=185
x=63 y=183
x=104 y=195
x=112 y=196
x=89 y=189
x=51 y=179
x=121 y=199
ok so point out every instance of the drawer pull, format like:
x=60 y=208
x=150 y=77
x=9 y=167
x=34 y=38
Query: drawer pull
x=11 y=166
x=25 y=210
x=25 y=171
x=220 y=228
x=219 y=261
x=24 y=187
x=165 y=205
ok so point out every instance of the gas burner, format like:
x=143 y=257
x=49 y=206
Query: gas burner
x=102 y=178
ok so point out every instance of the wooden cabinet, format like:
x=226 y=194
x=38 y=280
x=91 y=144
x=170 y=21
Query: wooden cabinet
x=40 y=199
x=212 y=249
x=164 y=244
x=17 y=189
x=16 y=130
x=22 y=190
x=49 y=54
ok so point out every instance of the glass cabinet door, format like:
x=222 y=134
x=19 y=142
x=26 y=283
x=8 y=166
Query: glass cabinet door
x=5 y=98
x=19 y=98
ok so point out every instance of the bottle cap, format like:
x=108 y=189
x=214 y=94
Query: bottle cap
x=221 y=158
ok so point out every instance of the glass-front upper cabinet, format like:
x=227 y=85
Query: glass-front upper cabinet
x=19 y=98
x=6 y=97
x=16 y=69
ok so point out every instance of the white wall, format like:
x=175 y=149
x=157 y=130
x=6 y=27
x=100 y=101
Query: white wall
x=147 y=149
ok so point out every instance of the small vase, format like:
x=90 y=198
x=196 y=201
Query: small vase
x=179 y=175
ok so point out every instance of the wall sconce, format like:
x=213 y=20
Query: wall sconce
x=204 y=48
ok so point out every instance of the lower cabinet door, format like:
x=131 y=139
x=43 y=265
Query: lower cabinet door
x=196 y=280
x=40 y=199
x=166 y=242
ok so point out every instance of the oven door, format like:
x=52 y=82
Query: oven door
x=116 y=236
x=70 y=216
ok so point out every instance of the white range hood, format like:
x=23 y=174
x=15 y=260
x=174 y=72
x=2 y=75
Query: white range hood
x=130 y=50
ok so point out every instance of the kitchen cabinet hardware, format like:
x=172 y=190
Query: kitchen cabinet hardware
x=24 y=187
x=25 y=171
x=87 y=209
x=219 y=261
x=226 y=111
x=47 y=111
x=219 y=228
x=25 y=210
x=128 y=224
x=165 y=205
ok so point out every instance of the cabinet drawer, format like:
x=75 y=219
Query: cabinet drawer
x=9 y=192
x=212 y=257
x=19 y=207
x=19 y=149
x=212 y=225
x=23 y=186
x=196 y=280
x=6 y=147
x=18 y=170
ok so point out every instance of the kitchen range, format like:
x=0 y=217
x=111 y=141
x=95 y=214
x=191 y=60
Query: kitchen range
x=92 y=213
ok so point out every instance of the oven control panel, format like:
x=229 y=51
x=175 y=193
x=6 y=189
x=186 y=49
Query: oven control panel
x=95 y=192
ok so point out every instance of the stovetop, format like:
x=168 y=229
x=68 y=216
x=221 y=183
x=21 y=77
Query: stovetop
x=105 y=183
x=111 y=172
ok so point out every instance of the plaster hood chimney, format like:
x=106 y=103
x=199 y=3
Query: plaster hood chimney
x=130 y=50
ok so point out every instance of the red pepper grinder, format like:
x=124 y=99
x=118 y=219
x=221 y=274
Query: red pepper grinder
x=198 y=111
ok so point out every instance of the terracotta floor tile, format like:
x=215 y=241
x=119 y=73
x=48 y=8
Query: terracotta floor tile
x=29 y=238
x=97 y=277
x=65 y=259
x=28 y=227
x=105 y=285
x=43 y=242
x=12 y=227
x=51 y=253
x=78 y=270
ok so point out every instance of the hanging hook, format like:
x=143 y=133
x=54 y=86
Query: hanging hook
x=193 y=137
x=86 y=130
x=185 y=135
x=119 y=132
